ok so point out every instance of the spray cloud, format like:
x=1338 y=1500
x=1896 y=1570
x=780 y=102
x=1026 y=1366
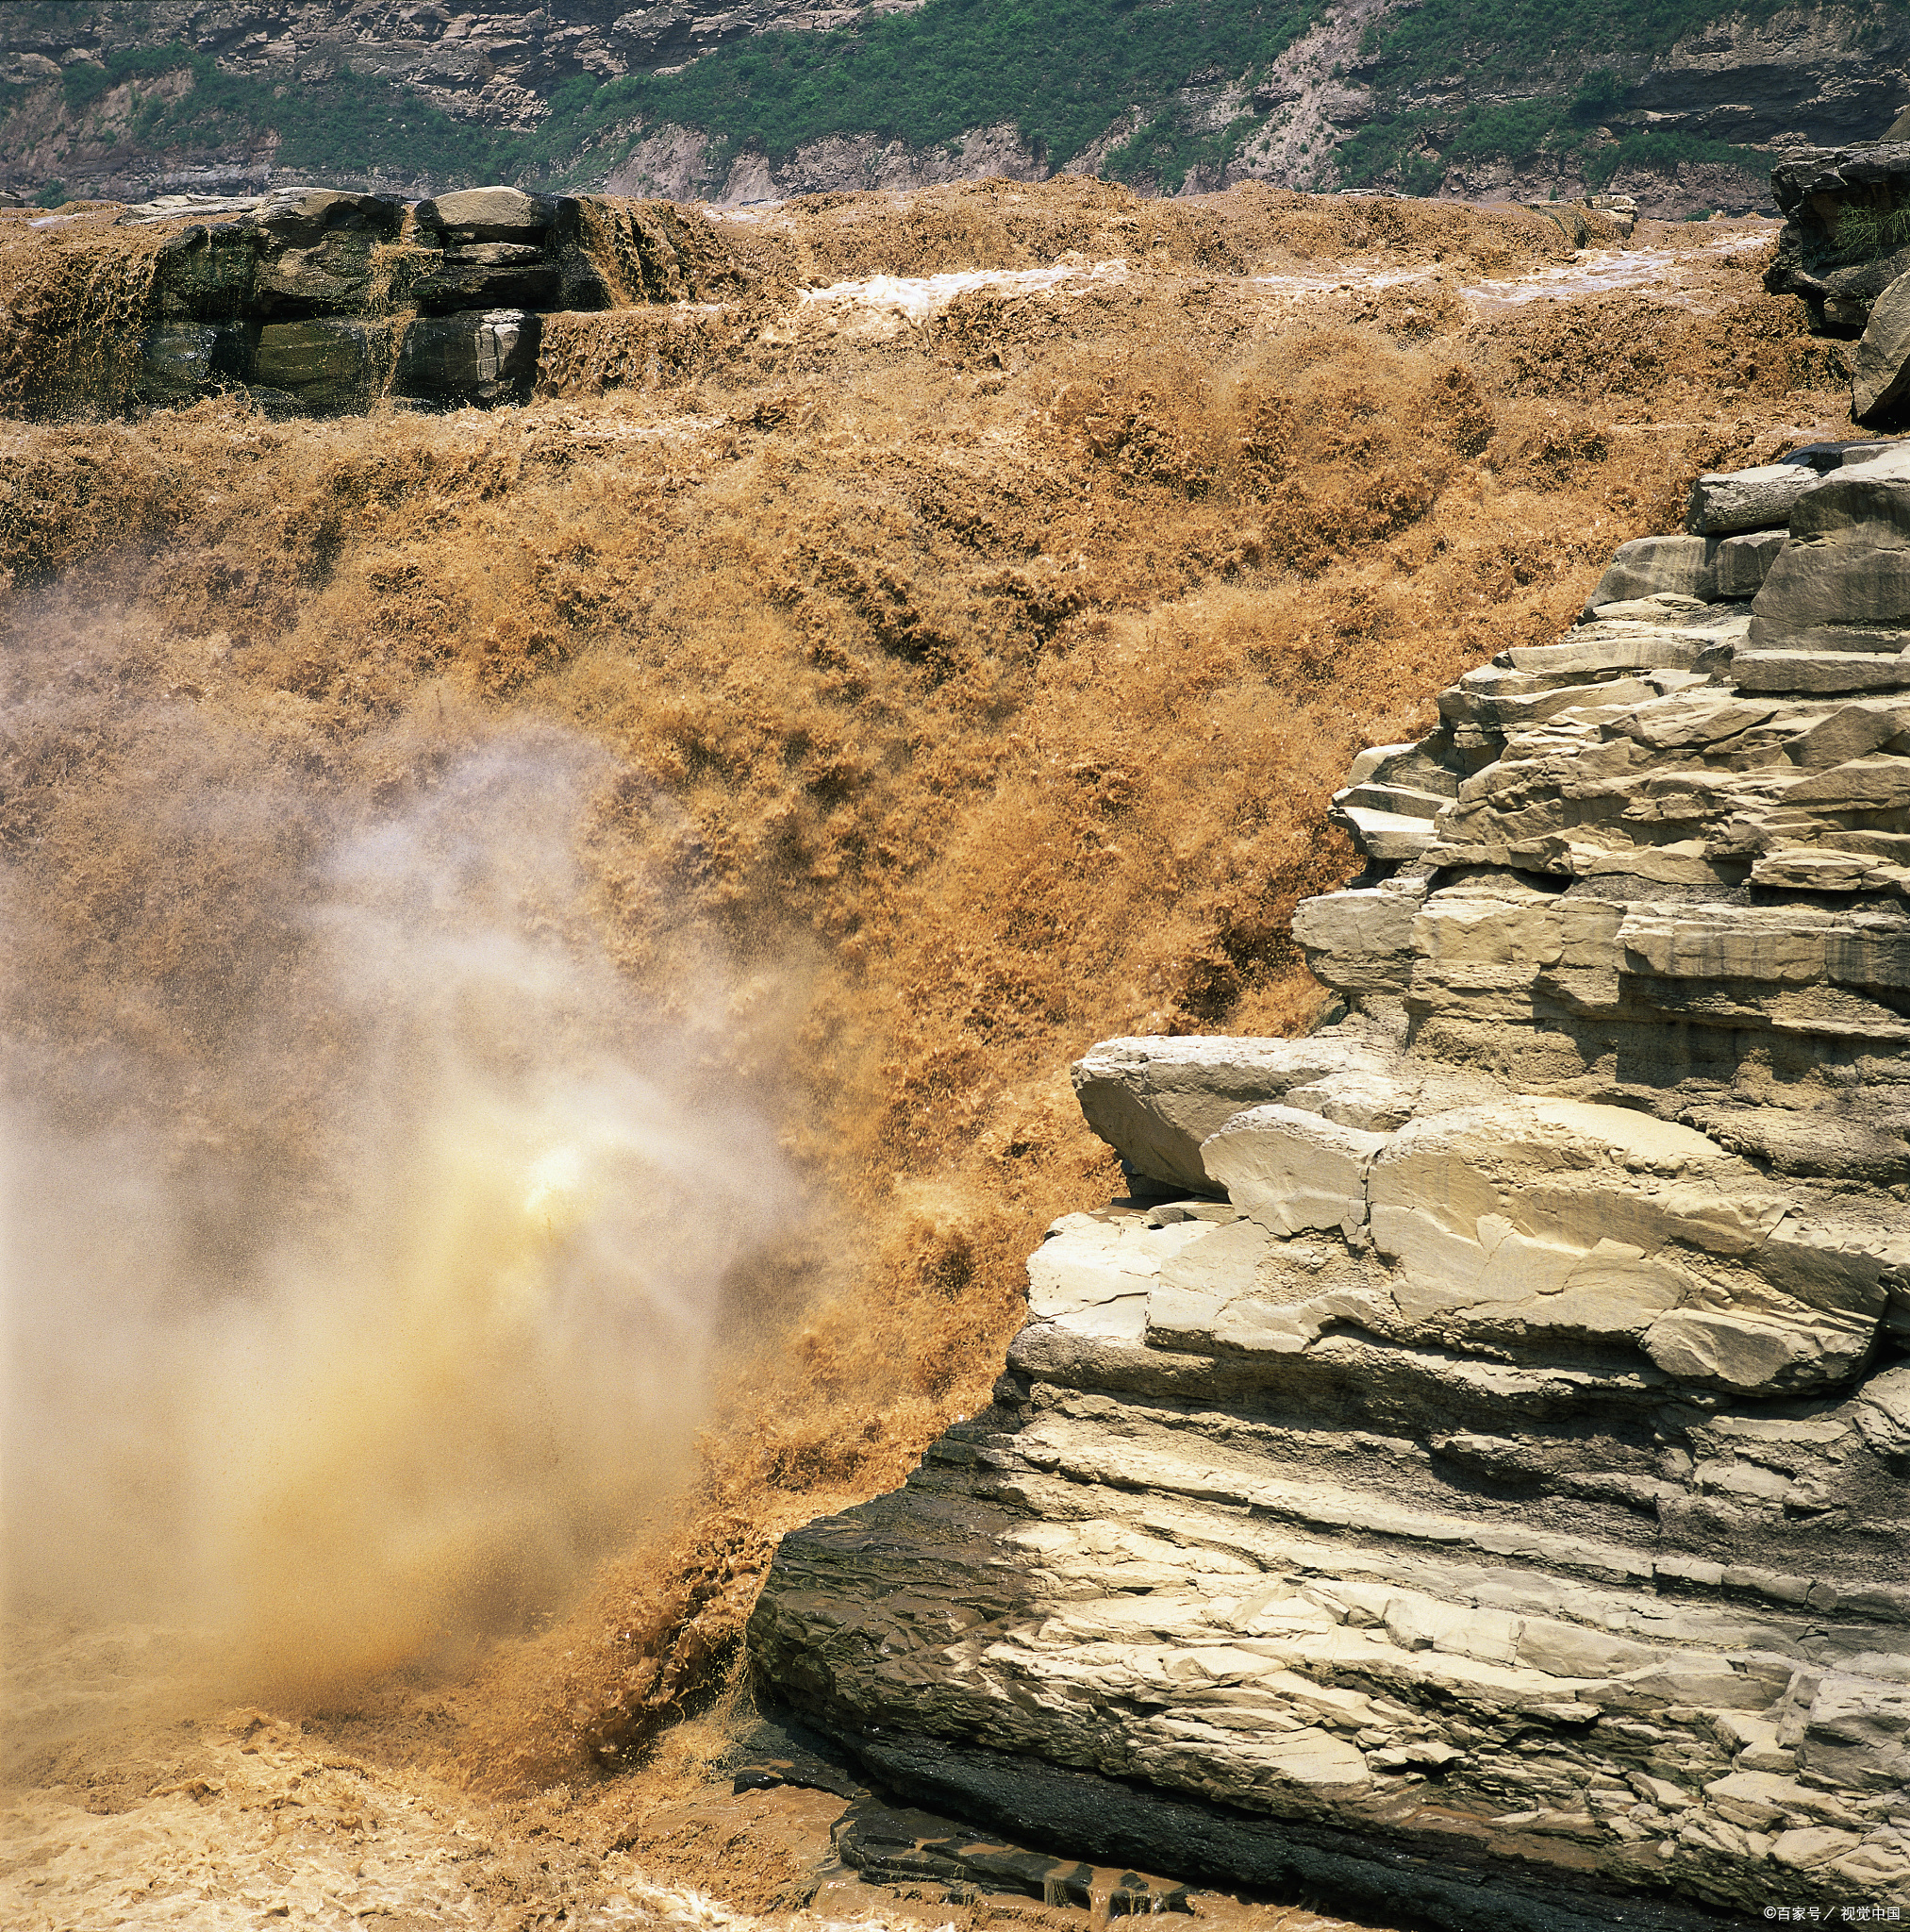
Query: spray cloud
x=365 y=1231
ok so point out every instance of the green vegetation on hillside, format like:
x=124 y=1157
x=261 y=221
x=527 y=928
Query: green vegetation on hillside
x=330 y=124
x=1454 y=81
x=1413 y=149
x=1060 y=71
x=1571 y=60
x=1490 y=42
x=1063 y=70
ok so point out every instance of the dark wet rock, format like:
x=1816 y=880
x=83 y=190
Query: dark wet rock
x=180 y=360
x=898 y=1847
x=330 y=366
x=320 y=253
x=207 y=274
x=241 y=298
x=1815 y=188
x=491 y=275
x=482 y=357
x=1444 y=1886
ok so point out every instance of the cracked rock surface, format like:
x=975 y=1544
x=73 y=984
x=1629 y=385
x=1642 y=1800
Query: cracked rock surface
x=1474 y=1459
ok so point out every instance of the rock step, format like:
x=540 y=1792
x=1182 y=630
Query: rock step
x=1608 y=647
x=1808 y=673
x=1400 y=801
x=1389 y=837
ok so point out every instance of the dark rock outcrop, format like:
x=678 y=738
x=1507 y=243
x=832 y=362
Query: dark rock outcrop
x=326 y=300
x=484 y=357
x=1468 y=1474
x=1819 y=191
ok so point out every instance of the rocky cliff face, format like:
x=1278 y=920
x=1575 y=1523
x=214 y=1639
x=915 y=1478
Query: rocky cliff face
x=1800 y=78
x=1467 y=1472
x=1840 y=248
x=495 y=63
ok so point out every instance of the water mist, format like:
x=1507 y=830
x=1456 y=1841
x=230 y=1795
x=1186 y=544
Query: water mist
x=365 y=1233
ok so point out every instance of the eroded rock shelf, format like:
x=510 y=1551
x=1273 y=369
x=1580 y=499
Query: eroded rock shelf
x=1466 y=1473
x=317 y=301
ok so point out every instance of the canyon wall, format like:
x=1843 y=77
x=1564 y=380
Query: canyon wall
x=1466 y=1474
x=123 y=102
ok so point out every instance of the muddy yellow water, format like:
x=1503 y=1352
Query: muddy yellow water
x=539 y=954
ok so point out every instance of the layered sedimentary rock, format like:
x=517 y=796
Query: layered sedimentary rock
x=1466 y=1473
x=326 y=300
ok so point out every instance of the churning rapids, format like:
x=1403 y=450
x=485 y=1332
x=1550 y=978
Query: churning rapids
x=541 y=948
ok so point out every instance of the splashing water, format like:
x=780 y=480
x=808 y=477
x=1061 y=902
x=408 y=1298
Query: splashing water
x=381 y=1317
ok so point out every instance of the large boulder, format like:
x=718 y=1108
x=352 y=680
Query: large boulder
x=304 y=217
x=1659 y=566
x=1155 y=1101
x=1842 y=582
x=1879 y=380
x=501 y=249
x=1817 y=189
x=1724 y=503
x=301 y=254
x=490 y=214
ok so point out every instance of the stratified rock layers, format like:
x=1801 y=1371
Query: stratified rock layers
x=1475 y=1484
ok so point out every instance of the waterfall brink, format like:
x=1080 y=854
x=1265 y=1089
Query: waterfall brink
x=606 y=249
x=79 y=299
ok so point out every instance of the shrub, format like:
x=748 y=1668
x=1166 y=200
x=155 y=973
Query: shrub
x=1864 y=234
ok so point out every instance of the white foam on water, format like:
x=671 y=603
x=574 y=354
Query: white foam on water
x=916 y=298
x=1599 y=271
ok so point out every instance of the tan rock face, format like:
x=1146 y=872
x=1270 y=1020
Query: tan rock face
x=1843 y=581
x=1880 y=383
x=1493 y=1469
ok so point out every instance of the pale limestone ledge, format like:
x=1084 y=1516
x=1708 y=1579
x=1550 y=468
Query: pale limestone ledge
x=1533 y=1221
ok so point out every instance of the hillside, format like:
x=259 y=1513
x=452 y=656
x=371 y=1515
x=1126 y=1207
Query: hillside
x=750 y=770
x=1680 y=103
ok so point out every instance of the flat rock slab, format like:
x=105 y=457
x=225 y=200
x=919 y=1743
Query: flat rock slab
x=1724 y=503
